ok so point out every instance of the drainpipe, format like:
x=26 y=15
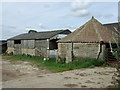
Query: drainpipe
x=100 y=50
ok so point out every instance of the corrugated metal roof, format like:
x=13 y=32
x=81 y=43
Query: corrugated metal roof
x=91 y=32
x=38 y=35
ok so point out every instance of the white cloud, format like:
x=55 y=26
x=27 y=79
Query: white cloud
x=80 y=8
x=78 y=5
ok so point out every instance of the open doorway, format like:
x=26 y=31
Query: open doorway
x=109 y=54
x=53 y=48
x=53 y=44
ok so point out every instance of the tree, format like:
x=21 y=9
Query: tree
x=116 y=53
x=32 y=31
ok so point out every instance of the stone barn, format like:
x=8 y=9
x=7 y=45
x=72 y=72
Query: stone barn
x=36 y=43
x=89 y=41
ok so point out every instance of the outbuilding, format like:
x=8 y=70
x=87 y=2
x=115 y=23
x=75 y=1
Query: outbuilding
x=91 y=40
x=36 y=43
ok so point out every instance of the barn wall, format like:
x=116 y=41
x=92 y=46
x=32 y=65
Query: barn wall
x=10 y=43
x=26 y=47
x=85 y=50
x=41 y=47
x=62 y=50
x=28 y=51
x=80 y=50
x=10 y=46
x=17 y=49
x=10 y=50
x=28 y=44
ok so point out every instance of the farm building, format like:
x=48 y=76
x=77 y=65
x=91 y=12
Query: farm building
x=91 y=40
x=36 y=43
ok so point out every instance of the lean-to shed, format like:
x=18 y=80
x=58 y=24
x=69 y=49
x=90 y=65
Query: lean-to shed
x=88 y=41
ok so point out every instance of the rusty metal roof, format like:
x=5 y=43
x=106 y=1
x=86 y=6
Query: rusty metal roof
x=91 y=32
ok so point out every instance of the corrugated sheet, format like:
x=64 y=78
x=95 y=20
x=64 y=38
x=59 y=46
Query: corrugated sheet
x=91 y=32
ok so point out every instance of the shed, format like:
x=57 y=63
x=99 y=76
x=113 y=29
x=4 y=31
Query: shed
x=88 y=41
x=36 y=43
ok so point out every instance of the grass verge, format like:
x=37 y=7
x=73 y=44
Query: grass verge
x=52 y=65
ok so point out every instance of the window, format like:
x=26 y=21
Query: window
x=17 y=41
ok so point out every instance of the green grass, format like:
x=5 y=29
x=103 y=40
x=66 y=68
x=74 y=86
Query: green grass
x=52 y=65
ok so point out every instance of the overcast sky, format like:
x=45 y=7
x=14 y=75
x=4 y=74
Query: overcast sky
x=19 y=17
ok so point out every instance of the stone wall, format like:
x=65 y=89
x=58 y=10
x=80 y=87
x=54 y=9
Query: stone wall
x=28 y=51
x=31 y=47
x=62 y=50
x=26 y=47
x=80 y=50
x=23 y=51
x=10 y=50
x=85 y=50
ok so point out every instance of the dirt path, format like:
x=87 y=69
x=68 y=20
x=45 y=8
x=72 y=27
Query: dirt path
x=17 y=69
x=21 y=74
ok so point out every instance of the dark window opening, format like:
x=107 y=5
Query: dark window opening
x=17 y=41
x=112 y=44
x=53 y=44
x=107 y=45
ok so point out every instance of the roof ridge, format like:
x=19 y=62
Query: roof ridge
x=96 y=29
x=50 y=31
